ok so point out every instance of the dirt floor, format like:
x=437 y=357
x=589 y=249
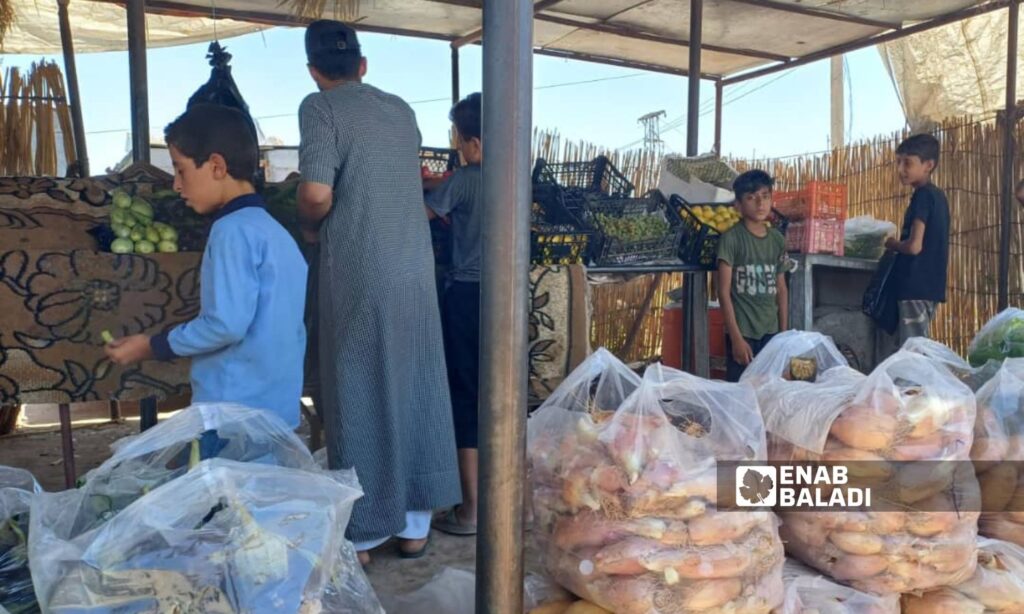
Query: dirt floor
x=39 y=451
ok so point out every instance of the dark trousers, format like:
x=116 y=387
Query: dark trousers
x=733 y=369
x=460 y=318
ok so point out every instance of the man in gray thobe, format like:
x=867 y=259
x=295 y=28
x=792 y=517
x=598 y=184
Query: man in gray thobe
x=383 y=386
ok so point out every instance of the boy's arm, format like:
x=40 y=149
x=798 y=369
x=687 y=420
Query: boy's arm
x=441 y=200
x=782 y=296
x=914 y=243
x=318 y=164
x=740 y=349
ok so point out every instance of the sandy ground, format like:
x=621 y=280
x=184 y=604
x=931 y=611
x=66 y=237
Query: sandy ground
x=40 y=453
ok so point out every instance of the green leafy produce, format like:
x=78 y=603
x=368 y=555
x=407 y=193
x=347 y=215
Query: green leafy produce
x=1002 y=337
x=122 y=246
x=633 y=228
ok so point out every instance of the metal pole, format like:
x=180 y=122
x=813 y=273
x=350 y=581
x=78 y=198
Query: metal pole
x=507 y=128
x=693 y=102
x=138 y=84
x=1009 y=156
x=71 y=74
x=455 y=76
x=67 y=444
x=838 y=75
x=719 y=95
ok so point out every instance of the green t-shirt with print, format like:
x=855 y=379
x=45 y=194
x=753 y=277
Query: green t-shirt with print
x=755 y=265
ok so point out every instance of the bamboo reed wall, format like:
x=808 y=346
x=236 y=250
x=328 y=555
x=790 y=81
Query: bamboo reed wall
x=32 y=107
x=969 y=172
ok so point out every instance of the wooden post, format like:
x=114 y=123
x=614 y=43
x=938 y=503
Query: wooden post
x=67 y=445
x=74 y=97
x=1009 y=154
x=147 y=413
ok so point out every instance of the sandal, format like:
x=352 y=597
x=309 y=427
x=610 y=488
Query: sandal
x=449 y=523
x=416 y=554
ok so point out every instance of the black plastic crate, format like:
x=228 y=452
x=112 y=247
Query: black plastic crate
x=699 y=243
x=615 y=252
x=438 y=160
x=553 y=205
x=607 y=250
x=553 y=245
x=598 y=176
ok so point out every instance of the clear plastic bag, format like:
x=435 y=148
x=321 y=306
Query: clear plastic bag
x=908 y=409
x=626 y=510
x=17 y=488
x=794 y=355
x=999 y=437
x=864 y=237
x=997 y=586
x=143 y=462
x=808 y=592
x=224 y=537
x=975 y=378
x=1002 y=337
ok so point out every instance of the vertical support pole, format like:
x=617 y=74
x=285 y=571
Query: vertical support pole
x=507 y=128
x=1009 y=153
x=138 y=79
x=67 y=445
x=115 y=411
x=455 y=76
x=838 y=96
x=74 y=99
x=719 y=96
x=695 y=323
x=147 y=413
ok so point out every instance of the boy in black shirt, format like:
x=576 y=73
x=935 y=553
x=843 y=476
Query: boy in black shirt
x=920 y=272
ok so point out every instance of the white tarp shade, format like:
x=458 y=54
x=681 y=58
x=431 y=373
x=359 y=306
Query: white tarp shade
x=100 y=26
x=959 y=69
x=591 y=29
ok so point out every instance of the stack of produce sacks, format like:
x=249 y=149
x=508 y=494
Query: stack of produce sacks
x=807 y=592
x=920 y=531
x=624 y=483
x=975 y=378
x=143 y=468
x=17 y=487
x=997 y=452
x=794 y=355
x=1002 y=337
x=225 y=537
x=997 y=586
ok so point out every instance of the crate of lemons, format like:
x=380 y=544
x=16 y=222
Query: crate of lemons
x=721 y=217
x=131 y=220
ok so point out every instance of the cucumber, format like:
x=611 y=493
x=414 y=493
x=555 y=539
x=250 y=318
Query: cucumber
x=107 y=337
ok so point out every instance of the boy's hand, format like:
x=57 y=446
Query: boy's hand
x=128 y=350
x=891 y=244
x=741 y=352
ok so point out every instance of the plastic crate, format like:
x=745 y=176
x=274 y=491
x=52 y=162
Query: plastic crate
x=606 y=250
x=816 y=237
x=555 y=246
x=439 y=161
x=818 y=200
x=598 y=176
x=554 y=206
x=699 y=243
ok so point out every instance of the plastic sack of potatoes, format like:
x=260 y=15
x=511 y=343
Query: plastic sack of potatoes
x=998 y=451
x=141 y=463
x=226 y=537
x=996 y=587
x=905 y=429
x=627 y=519
x=794 y=355
x=975 y=378
x=808 y=592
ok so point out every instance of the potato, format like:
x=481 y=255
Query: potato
x=988 y=450
x=997 y=487
x=868 y=464
x=585 y=607
x=720 y=528
x=856 y=567
x=943 y=601
x=555 y=607
x=865 y=428
x=857 y=543
x=709 y=594
x=929 y=447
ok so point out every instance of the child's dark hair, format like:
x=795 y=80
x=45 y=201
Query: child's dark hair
x=466 y=116
x=751 y=182
x=924 y=146
x=206 y=129
x=337 y=65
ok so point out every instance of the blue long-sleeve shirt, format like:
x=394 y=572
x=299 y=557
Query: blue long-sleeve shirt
x=248 y=342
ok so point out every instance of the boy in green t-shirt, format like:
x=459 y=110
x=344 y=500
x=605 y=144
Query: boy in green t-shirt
x=751 y=282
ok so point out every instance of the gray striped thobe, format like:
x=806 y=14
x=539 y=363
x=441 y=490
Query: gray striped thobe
x=384 y=390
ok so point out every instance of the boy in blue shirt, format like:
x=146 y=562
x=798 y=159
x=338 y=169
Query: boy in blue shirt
x=248 y=341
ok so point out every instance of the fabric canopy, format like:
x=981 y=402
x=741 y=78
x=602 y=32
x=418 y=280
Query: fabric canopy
x=737 y=34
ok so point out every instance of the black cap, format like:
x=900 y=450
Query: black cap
x=325 y=37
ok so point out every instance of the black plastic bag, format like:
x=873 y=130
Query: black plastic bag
x=880 y=297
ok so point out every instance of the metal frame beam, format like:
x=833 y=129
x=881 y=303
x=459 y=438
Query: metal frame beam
x=808 y=11
x=74 y=96
x=1009 y=153
x=475 y=35
x=871 y=41
x=504 y=298
x=138 y=83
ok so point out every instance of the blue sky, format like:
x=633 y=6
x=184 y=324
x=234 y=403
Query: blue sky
x=772 y=116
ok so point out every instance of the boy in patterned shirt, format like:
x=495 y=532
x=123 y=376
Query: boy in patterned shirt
x=751 y=281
